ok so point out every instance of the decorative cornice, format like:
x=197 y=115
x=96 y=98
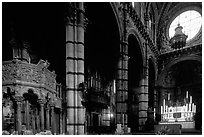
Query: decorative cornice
x=142 y=30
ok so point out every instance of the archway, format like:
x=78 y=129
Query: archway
x=135 y=71
x=101 y=48
x=31 y=109
x=182 y=85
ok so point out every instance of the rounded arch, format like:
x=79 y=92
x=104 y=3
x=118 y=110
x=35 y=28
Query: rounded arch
x=134 y=33
x=172 y=63
x=102 y=37
x=31 y=96
x=135 y=72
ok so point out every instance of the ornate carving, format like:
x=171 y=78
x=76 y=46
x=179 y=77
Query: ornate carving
x=42 y=101
x=52 y=103
x=49 y=79
x=18 y=99
x=43 y=64
x=29 y=73
x=9 y=72
x=39 y=73
x=70 y=14
x=142 y=30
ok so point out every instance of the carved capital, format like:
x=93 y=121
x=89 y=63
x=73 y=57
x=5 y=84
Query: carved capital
x=42 y=101
x=52 y=104
x=70 y=14
x=18 y=99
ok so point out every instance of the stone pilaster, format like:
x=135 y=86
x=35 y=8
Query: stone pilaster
x=75 y=67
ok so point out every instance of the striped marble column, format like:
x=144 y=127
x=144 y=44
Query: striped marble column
x=122 y=87
x=143 y=99
x=75 y=68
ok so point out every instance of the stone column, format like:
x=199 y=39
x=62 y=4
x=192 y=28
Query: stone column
x=19 y=100
x=143 y=98
x=42 y=121
x=52 y=105
x=37 y=120
x=33 y=121
x=122 y=87
x=27 y=115
x=122 y=77
x=48 y=117
x=61 y=121
x=64 y=121
x=75 y=67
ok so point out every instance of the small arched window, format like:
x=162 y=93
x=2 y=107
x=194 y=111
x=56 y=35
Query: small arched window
x=191 y=22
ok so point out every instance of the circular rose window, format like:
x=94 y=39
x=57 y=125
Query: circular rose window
x=190 y=21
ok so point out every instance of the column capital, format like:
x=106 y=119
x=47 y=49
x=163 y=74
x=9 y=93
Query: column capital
x=52 y=103
x=42 y=101
x=18 y=98
x=70 y=14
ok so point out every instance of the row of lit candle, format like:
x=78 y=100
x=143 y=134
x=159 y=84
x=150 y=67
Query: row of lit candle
x=164 y=108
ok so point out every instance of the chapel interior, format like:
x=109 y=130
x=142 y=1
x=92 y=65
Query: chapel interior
x=75 y=68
